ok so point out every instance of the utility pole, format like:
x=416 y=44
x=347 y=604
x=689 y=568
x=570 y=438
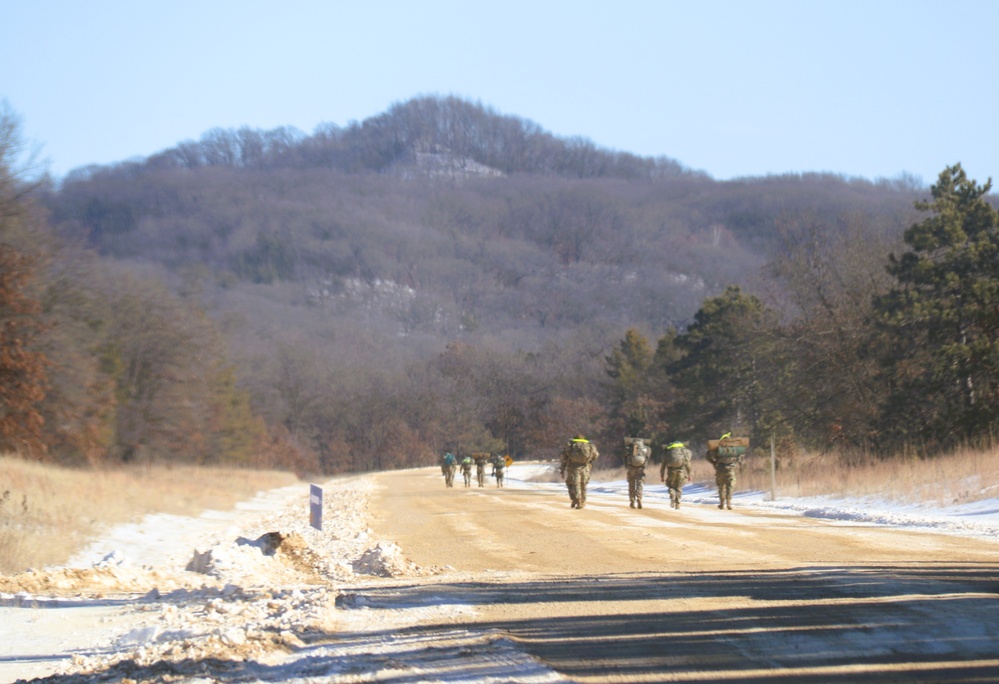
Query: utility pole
x=773 y=469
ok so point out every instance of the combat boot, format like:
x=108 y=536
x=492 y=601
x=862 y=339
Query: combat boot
x=632 y=504
x=638 y=502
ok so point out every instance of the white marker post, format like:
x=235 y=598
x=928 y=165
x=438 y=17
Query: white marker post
x=316 y=507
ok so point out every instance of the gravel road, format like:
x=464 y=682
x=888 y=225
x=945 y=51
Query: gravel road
x=413 y=582
x=609 y=593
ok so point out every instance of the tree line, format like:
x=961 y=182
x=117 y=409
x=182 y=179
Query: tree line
x=870 y=355
x=325 y=320
x=429 y=124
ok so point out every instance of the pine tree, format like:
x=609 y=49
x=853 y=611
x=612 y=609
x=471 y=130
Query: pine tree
x=633 y=406
x=726 y=355
x=942 y=316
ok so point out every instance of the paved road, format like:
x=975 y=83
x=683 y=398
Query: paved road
x=613 y=594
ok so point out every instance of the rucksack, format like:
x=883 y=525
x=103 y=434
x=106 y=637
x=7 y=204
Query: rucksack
x=449 y=459
x=676 y=457
x=731 y=450
x=639 y=454
x=579 y=453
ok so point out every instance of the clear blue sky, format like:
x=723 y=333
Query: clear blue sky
x=735 y=88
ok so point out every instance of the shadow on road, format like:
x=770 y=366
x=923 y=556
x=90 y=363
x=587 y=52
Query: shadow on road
x=911 y=623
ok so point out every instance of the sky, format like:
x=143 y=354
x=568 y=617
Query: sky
x=860 y=88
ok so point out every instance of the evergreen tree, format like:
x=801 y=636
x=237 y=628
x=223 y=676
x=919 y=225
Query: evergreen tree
x=632 y=405
x=726 y=356
x=942 y=316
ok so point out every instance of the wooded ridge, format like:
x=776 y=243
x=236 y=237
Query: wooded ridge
x=444 y=277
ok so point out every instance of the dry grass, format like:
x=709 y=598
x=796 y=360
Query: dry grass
x=963 y=476
x=47 y=513
x=960 y=477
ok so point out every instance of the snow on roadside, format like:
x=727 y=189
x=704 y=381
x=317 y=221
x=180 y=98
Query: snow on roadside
x=232 y=587
x=978 y=519
x=253 y=586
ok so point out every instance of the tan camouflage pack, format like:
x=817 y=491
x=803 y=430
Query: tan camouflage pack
x=638 y=453
x=677 y=457
x=579 y=453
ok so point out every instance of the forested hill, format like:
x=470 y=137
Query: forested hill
x=471 y=139
x=455 y=219
x=439 y=274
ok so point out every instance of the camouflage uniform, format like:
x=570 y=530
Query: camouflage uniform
x=499 y=469
x=480 y=468
x=675 y=475
x=466 y=470
x=448 y=468
x=724 y=476
x=577 y=475
x=636 y=473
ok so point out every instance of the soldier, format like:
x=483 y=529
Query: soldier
x=576 y=462
x=725 y=465
x=481 y=458
x=466 y=469
x=449 y=464
x=634 y=462
x=675 y=471
x=499 y=469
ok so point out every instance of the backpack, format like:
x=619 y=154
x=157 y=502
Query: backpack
x=449 y=459
x=579 y=453
x=639 y=454
x=731 y=450
x=677 y=457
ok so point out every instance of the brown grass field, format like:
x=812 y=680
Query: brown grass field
x=47 y=512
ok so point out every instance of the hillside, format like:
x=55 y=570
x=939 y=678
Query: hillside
x=437 y=275
x=443 y=219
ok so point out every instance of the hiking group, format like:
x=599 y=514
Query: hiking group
x=450 y=464
x=576 y=463
x=724 y=454
x=674 y=471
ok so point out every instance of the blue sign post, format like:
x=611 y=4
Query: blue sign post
x=316 y=507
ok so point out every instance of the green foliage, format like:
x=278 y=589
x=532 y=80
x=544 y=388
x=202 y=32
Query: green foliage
x=726 y=353
x=629 y=362
x=942 y=317
x=631 y=404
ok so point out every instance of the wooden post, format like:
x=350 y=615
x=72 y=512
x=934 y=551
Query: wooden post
x=773 y=469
